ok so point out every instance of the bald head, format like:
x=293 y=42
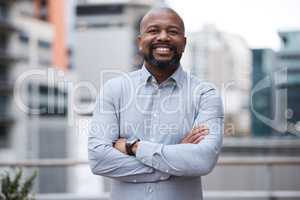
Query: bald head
x=160 y=11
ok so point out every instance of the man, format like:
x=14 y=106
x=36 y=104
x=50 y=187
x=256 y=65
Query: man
x=157 y=130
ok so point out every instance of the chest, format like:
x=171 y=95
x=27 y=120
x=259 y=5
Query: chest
x=157 y=115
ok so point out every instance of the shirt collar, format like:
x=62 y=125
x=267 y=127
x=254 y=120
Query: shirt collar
x=177 y=76
x=145 y=75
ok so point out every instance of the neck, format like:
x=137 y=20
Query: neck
x=161 y=74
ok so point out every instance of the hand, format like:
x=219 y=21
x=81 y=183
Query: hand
x=195 y=135
x=120 y=145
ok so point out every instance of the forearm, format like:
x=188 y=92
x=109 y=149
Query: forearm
x=184 y=159
x=107 y=161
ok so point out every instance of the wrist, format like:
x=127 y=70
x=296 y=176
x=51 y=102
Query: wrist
x=130 y=147
x=134 y=147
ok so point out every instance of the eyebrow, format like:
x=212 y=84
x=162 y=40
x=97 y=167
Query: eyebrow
x=169 y=26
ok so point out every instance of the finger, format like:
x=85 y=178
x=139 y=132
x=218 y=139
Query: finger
x=202 y=127
x=199 y=130
x=193 y=132
x=203 y=132
x=189 y=134
x=200 y=133
x=198 y=139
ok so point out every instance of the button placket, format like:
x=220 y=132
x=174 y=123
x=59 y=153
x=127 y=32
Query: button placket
x=154 y=116
x=150 y=189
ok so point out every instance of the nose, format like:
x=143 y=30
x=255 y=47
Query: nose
x=163 y=36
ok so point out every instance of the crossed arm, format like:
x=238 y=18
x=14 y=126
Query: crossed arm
x=153 y=161
x=113 y=161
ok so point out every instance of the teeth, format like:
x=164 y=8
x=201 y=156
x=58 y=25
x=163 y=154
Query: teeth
x=163 y=49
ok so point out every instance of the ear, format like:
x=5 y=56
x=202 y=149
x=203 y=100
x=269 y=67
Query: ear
x=184 y=45
x=138 y=41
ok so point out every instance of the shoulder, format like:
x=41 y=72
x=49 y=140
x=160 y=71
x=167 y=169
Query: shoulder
x=199 y=86
x=207 y=97
x=125 y=80
x=123 y=77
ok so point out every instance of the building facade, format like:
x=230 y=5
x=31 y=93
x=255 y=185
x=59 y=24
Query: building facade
x=33 y=99
x=289 y=59
x=54 y=12
x=275 y=109
x=7 y=62
x=263 y=100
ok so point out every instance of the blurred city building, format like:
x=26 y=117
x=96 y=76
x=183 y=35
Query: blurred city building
x=225 y=60
x=276 y=86
x=54 y=13
x=7 y=61
x=289 y=59
x=33 y=122
x=264 y=63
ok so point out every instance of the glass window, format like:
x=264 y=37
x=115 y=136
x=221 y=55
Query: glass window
x=3 y=10
x=3 y=41
x=4 y=136
x=50 y=101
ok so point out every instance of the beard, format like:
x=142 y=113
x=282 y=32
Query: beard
x=174 y=61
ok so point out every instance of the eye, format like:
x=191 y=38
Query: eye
x=152 y=31
x=173 y=32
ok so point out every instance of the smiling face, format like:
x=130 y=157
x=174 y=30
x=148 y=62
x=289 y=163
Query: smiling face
x=162 y=39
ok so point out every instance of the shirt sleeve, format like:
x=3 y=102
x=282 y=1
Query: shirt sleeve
x=190 y=159
x=104 y=159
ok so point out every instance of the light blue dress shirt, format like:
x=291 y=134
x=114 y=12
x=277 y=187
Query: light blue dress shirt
x=160 y=115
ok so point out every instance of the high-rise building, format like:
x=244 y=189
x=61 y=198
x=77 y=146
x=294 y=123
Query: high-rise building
x=33 y=100
x=7 y=61
x=276 y=87
x=54 y=12
x=289 y=56
x=263 y=100
x=225 y=60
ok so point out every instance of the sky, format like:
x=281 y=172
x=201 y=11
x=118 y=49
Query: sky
x=257 y=21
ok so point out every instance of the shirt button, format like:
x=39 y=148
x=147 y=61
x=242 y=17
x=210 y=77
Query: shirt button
x=167 y=171
x=155 y=115
x=134 y=180
x=150 y=190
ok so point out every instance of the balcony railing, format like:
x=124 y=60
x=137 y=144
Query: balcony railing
x=223 y=161
x=208 y=195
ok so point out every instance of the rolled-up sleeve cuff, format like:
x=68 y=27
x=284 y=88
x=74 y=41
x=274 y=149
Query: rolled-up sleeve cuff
x=146 y=150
